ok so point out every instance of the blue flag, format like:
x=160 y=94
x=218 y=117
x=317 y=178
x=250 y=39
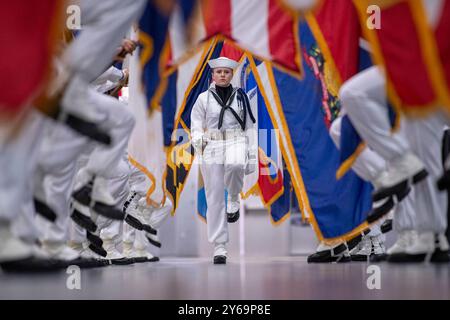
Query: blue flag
x=338 y=208
x=181 y=153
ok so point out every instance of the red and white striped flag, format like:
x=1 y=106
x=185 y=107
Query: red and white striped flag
x=263 y=27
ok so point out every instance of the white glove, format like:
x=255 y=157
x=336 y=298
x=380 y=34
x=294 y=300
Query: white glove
x=252 y=162
x=199 y=145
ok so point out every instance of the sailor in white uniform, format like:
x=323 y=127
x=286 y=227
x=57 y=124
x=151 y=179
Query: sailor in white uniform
x=219 y=120
x=409 y=160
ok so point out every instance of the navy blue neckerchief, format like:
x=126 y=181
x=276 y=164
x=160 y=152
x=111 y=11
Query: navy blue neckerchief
x=242 y=98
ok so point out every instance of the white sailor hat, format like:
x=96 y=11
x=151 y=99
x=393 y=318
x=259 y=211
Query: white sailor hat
x=223 y=62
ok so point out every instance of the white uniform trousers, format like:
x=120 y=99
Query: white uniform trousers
x=367 y=166
x=119 y=188
x=160 y=215
x=26 y=225
x=223 y=168
x=139 y=183
x=157 y=218
x=405 y=214
x=63 y=146
x=18 y=158
x=58 y=165
x=119 y=121
x=364 y=98
x=425 y=136
x=58 y=186
x=58 y=162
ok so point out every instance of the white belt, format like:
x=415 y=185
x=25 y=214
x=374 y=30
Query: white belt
x=224 y=135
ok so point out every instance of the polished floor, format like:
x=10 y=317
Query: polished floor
x=251 y=278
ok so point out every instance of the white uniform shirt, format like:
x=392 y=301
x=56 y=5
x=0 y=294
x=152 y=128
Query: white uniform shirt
x=206 y=112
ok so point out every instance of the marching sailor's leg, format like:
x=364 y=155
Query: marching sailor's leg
x=405 y=226
x=58 y=187
x=157 y=217
x=54 y=182
x=92 y=187
x=425 y=135
x=152 y=216
x=364 y=98
x=18 y=152
x=212 y=170
x=142 y=250
x=368 y=165
x=120 y=120
x=234 y=172
x=112 y=235
x=55 y=239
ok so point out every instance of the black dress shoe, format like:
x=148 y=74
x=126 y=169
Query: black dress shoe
x=32 y=264
x=440 y=256
x=83 y=221
x=341 y=258
x=44 y=210
x=154 y=242
x=386 y=226
x=402 y=195
x=85 y=263
x=94 y=239
x=122 y=261
x=98 y=263
x=233 y=217
x=145 y=259
x=326 y=257
x=406 y=258
x=149 y=229
x=98 y=250
x=400 y=189
x=380 y=211
x=83 y=195
x=372 y=257
x=154 y=259
x=444 y=182
x=220 y=260
x=336 y=254
x=356 y=240
x=378 y=257
x=359 y=257
x=134 y=222
x=108 y=211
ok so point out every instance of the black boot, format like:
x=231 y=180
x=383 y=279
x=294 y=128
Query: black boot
x=220 y=260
